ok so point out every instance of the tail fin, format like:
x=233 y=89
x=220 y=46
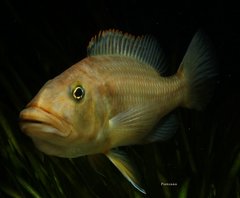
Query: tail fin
x=198 y=68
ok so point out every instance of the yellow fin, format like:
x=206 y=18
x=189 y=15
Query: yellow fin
x=126 y=167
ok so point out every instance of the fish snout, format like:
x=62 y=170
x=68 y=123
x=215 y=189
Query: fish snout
x=39 y=122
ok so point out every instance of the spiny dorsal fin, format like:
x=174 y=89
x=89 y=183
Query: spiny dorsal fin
x=114 y=42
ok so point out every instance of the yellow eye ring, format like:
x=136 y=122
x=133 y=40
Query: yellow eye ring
x=78 y=93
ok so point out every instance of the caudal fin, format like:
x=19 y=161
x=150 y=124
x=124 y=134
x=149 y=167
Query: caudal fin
x=198 y=68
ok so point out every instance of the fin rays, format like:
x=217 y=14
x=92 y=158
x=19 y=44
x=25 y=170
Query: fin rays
x=143 y=48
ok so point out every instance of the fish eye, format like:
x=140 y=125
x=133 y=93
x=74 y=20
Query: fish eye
x=78 y=93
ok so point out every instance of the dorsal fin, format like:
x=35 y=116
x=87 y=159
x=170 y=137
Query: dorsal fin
x=114 y=42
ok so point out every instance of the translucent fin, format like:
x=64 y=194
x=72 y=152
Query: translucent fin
x=126 y=167
x=114 y=42
x=164 y=130
x=135 y=119
x=199 y=72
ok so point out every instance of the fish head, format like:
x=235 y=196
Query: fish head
x=68 y=116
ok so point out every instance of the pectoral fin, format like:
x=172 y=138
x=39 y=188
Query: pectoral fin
x=130 y=126
x=126 y=167
x=134 y=118
x=166 y=128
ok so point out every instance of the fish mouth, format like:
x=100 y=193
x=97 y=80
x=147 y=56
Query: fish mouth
x=37 y=121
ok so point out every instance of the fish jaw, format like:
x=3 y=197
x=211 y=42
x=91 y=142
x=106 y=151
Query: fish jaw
x=37 y=122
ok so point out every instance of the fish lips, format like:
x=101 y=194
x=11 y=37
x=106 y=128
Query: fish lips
x=36 y=121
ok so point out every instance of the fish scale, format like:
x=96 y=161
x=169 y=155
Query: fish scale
x=137 y=84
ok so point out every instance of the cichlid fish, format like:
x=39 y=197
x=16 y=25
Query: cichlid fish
x=118 y=95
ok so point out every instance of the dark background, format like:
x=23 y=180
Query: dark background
x=40 y=32
x=40 y=39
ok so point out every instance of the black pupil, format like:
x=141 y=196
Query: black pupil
x=78 y=93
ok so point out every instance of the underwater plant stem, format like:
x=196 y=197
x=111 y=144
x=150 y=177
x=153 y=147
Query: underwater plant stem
x=234 y=171
x=188 y=150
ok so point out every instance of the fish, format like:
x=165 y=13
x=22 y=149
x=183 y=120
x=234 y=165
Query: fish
x=120 y=94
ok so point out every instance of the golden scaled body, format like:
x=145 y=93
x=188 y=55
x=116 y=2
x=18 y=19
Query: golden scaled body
x=117 y=96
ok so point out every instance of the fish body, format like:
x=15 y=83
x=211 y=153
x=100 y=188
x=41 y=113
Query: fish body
x=118 y=95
